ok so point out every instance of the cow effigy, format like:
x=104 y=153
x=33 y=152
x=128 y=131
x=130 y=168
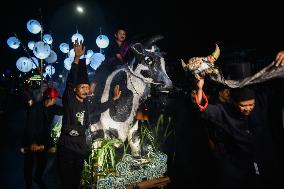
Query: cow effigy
x=145 y=72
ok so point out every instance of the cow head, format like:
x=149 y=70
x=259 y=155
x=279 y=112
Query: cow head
x=149 y=65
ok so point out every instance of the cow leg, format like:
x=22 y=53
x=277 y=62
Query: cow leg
x=134 y=140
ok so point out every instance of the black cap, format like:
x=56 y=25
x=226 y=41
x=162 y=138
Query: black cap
x=242 y=94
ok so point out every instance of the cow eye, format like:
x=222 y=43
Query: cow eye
x=148 y=60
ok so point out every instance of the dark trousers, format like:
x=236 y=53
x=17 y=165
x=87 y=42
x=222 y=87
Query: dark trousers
x=235 y=175
x=35 y=161
x=70 y=166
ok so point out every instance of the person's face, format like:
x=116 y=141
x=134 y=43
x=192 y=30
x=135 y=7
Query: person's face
x=246 y=107
x=82 y=91
x=224 y=95
x=120 y=35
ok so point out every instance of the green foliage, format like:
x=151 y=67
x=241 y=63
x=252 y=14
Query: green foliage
x=100 y=161
x=158 y=133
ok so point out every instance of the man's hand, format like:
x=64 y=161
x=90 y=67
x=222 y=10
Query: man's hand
x=279 y=60
x=79 y=50
x=117 y=92
x=199 y=81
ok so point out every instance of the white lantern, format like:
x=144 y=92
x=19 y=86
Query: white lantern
x=64 y=47
x=41 y=50
x=47 y=38
x=35 y=62
x=77 y=37
x=13 y=42
x=31 y=45
x=50 y=70
x=89 y=54
x=102 y=41
x=52 y=57
x=68 y=62
x=24 y=64
x=88 y=61
x=71 y=53
x=34 y=26
x=96 y=60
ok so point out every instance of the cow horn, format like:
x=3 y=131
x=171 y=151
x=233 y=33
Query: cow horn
x=216 y=53
x=184 y=66
x=137 y=48
x=153 y=40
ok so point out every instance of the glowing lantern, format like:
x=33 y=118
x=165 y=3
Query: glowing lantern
x=47 y=38
x=88 y=61
x=41 y=50
x=102 y=41
x=89 y=54
x=96 y=60
x=77 y=37
x=52 y=57
x=31 y=45
x=13 y=42
x=34 y=26
x=68 y=62
x=64 y=47
x=50 y=70
x=24 y=64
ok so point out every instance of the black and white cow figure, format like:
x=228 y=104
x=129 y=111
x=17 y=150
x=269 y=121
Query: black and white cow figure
x=144 y=73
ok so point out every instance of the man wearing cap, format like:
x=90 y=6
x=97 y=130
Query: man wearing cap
x=37 y=138
x=72 y=145
x=242 y=126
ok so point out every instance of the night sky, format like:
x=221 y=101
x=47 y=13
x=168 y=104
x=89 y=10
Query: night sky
x=190 y=28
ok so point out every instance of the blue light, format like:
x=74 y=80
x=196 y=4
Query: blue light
x=102 y=41
x=64 y=47
x=47 y=38
x=41 y=50
x=13 y=42
x=31 y=45
x=24 y=64
x=33 y=26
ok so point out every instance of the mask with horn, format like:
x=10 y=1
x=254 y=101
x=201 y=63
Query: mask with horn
x=203 y=65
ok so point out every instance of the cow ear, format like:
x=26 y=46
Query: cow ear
x=137 y=48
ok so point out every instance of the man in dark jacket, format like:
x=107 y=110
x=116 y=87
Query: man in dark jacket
x=242 y=126
x=72 y=145
x=37 y=137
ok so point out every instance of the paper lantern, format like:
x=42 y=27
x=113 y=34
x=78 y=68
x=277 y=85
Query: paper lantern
x=96 y=60
x=89 y=54
x=31 y=45
x=34 y=26
x=24 y=64
x=102 y=41
x=50 y=70
x=47 y=38
x=64 y=47
x=51 y=58
x=35 y=62
x=41 y=50
x=88 y=61
x=68 y=62
x=13 y=42
x=77 y=37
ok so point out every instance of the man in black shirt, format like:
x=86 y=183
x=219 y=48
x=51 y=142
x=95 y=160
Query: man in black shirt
x=72 y=145
x=37 y=138
x=242 y=126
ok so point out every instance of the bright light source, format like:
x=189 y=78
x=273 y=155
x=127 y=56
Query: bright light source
x=80 y=9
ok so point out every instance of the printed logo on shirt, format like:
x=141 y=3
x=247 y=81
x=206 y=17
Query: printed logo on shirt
x=80 y=117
